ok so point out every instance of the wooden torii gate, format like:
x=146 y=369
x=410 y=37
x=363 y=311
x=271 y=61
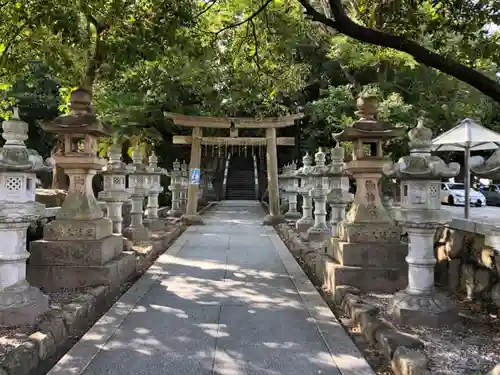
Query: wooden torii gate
x=196 y=140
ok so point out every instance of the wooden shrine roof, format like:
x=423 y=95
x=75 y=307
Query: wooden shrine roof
x=239 y=122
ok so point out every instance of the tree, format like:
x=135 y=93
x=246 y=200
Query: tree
x=456 y=14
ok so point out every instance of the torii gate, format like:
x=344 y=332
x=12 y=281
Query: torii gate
x=196 y=140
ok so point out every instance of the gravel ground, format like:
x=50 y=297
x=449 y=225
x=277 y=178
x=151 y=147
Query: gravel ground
x=470 y=347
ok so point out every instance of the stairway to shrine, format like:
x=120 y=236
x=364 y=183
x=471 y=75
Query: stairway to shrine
x=241 y=178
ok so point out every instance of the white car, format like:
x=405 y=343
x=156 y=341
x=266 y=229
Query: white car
x=452 y=194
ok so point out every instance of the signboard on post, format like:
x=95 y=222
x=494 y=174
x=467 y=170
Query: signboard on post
x=195 y=176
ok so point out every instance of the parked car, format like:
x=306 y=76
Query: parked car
x=452 y=194
x=492 y=194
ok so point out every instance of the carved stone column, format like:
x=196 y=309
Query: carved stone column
x=152 y=221
x=304 y=173
x=20 y=303
x=138 y=189
x=319 y=230
x=292 y=187
x=338 y=197
x=115 y=193
x=175 y=188
x=421 y=175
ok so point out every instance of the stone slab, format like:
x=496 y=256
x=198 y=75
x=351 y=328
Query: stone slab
x=55 y=277
x=77 y=253
x=391 y=255
x=369 y=232
x=262 y=341
x=64 y=230
x=366 y=279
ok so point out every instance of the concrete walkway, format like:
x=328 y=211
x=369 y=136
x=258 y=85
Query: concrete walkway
x=228 y=299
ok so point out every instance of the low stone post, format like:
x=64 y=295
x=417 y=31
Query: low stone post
x=115 y=194
x=152 y=221
x=319 y=230
x=175 y=188
x=20 y=303
x=338 y=197
x=304 y=173
x=420 y=175
x=138 y=189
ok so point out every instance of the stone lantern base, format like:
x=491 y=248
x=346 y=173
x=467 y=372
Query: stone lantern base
x=154 y=224
x=370 y=257
x=192 y=219
x=78 y=253
x=272 y=220
x=22 y=304
x=432 y=310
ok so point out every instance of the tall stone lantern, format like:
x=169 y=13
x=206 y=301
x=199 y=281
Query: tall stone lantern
x=20 y=303
x=175 y=188
x=338 y=196
x=78 y=248
x=305 y=175
x=291 y=188
x=114 y=193
x=138 y=188
x=319 y=230
x=368 y=253
x=152 y=221
x=421 y=174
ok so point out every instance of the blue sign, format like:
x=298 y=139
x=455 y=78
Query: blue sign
x=195 y=177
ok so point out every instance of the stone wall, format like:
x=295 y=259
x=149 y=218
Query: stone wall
x=466 y=265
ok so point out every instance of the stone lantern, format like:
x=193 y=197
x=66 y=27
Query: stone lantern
x=20 y=303
x=138 y=189
x=420 y=213
x=114 y=193
x=304 y=173
x=175 y=188
x=292 y=187
x=319 y=230
x=78 y=248
x=338 y=197
x=152 y=221
x=368 y=253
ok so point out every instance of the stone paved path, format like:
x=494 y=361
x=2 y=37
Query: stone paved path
x=226 y=299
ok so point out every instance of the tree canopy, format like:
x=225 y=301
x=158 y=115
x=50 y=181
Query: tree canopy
x=437 y=59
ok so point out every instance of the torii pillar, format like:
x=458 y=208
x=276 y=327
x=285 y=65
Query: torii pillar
x=274 y=217
x=191 y=216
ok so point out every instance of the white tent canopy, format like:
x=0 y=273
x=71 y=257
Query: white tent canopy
x=467 y=136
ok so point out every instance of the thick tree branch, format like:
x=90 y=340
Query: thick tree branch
x=205 y=9
x=343 y=24
x=249 y=18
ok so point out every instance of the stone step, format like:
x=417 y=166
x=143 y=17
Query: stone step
x=113 y=273
x=366 y=279
x=363 y=254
